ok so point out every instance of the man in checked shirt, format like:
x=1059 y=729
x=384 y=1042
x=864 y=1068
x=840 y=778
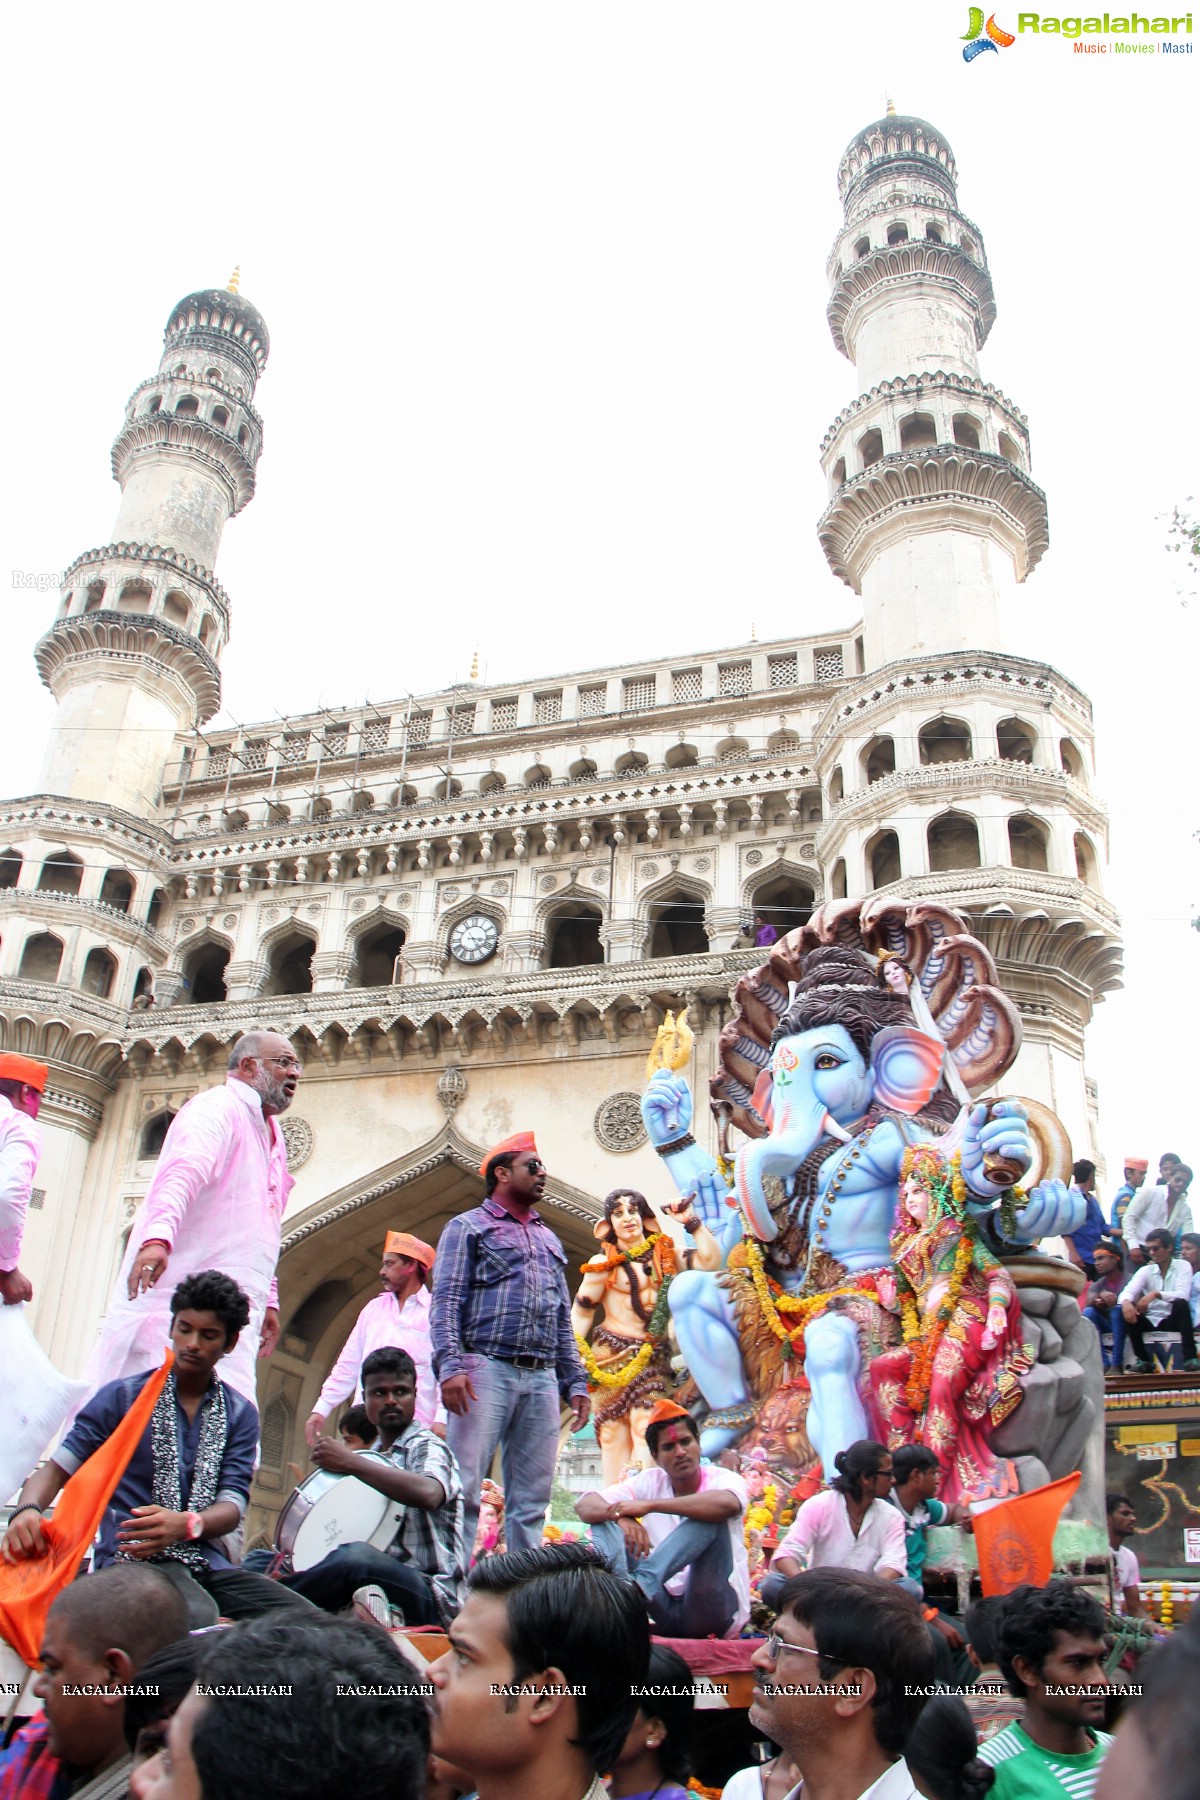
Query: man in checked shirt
x=503 y=1347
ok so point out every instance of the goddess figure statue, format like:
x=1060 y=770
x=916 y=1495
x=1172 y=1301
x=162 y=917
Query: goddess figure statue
x=958 y=1370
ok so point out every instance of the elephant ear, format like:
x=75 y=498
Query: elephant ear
x=761 y=1098
x=907 y=1066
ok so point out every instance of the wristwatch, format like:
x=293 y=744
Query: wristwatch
x=195 y=1526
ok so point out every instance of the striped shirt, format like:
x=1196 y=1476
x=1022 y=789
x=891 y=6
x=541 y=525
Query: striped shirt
x=432 y=1541
x=1024 y=1771
x=500 y=1289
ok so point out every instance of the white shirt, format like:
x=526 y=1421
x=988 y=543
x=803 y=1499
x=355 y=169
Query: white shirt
x=821 y=1536
x=895 y=1783
x=1128 y=1575
x=20 y=1148
x=1196 y=1299
x=381 y=1324
x=1152 y=1207
x=1176 y=1284
x=654 y=1484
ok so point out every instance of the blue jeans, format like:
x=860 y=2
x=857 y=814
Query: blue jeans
x=707 y=1606
x=331 y=1583
x=517 y=1412
x=1109 y=1319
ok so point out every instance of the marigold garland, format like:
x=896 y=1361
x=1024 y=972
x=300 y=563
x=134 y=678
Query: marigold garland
x=803 y=1308
x=655 y=1328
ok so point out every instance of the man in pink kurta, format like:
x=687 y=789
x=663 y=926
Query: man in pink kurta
x=399 y=1318
x=216 y=1202
x=22 y=1084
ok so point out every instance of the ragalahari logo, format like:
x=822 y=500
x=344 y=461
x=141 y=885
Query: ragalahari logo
x=974 y=40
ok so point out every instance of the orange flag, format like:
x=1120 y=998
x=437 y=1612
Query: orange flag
x=29 y=1588
x=1015 y=1540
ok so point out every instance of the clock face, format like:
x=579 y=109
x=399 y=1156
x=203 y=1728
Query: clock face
x=473 y=940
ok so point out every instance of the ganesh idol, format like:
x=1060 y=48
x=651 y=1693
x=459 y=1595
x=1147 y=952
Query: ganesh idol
x=868 y=1036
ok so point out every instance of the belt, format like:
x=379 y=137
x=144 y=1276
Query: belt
x=523 y=1362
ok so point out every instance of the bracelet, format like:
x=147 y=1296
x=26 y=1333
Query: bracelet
x=195 y=1526
x=692 y=1225
x=29 y=1506
x=680 y=1143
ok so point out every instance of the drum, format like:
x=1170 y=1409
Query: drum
x=329 y=1510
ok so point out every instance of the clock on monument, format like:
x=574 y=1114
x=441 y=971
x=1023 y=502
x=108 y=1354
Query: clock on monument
x=474 y=939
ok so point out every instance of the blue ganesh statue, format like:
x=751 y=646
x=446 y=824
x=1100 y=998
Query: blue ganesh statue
x=864 y=1219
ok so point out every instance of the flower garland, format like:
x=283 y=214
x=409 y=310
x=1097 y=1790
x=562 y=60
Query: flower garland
x=802 y=1309
x=948 y=1195
x=655 y=1328
x=761 y=1514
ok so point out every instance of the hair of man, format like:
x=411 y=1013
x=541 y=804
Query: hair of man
x=863 y=1622
x=910 y=1459
x=210 y=1291
x=862 y=1458
x=1160 y=1235
x=390 y=1360
x=355 y=1421
x=655 y=1431
x=1083 y=1170
x=943 y=1752
x=566 y=1610
x=315 y=1743
x=251 y=1043
x=1182 y=1169
x=161 y=1684
x=1032 y=1620
x=127 y=1606
x=504 y=1161
x=981 y=1622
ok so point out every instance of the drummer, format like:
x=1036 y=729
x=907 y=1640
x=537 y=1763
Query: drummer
x=400 y=1316
x=422 y=1569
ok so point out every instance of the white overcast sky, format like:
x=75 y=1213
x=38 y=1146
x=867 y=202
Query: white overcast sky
x=549 y=365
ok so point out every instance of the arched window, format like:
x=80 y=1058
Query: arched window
x=730 y=749
x=143 y=988
x=362 y=802
x=783 y=743
x=491 y=783
x=154 y=1134
x=878 y=759
x=95 y=596
x=116 y=890
x=1085 y=861
x=836 y=787
x=966 y=431
x=1008 y=449
x=220 y=416
x=917 y=430
x=953 y=841
x=1071 y=760
x=1028 y=842
x=243 y=437
x=154 y=403
x=321 y=808
x=1015 y=741
x=99 y=977
x=783 y=903
x=934 y=233
x=447 y=789
x=204 y=975
x=870 y=448
x=158 y=901
x=677 y=927
x=839 y=472
x=188 y=407
x=61 y=873
x=966 y=244
x=206 y=630
x=176 y=610
x=944 y=741
x=135 y=597
x=632 y=763
x=375 y=956
x=682 y=756
x=862 y=248
x=11 y=864
x=838 y=881
x=289 y=969
x=898 y=233
x=573 y=937
x=883 y=859
x=41 y=958
x=538 y=776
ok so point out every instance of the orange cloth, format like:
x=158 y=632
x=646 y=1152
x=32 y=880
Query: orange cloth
x=23 y=1068
x=28 y=1589
x=521 y=1143
x=1015 y=1540
x=403 y=1243
x=1136 y=1162
x=667 y=1409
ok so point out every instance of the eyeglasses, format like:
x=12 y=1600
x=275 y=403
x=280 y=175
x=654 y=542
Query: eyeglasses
x=534 y=1166
x=776 y=1647
x=284 y=1062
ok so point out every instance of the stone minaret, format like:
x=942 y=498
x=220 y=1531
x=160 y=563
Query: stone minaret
x=932 y=515
x=132 y=658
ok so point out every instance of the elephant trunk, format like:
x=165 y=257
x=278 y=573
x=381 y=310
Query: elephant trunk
x=780 y=1154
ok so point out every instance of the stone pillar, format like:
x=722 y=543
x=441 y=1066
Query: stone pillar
x=243 y=980
x=331 y=970
x=722 y=924
x=626 y=939
x=422 y=961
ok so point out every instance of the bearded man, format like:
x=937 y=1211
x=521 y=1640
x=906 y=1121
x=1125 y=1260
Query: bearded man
x=216 y=1202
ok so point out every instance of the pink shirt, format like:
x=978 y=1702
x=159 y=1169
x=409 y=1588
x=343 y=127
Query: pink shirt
x=20 y=1148
x=821 y=1537
x=381 y=1324
x=217 y=1200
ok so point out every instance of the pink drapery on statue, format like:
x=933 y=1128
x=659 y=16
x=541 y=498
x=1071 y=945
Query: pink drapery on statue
x=217 y=1199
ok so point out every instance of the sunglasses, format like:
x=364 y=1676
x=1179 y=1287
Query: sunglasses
x=534 y=1166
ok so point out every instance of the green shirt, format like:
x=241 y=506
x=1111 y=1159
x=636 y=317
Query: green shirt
x=1024 y=1771
x=916 y=1523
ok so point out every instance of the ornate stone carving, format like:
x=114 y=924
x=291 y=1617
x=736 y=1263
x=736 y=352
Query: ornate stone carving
x=649 y=871
x=618 y=1123
x=298 y=1136
x=229 y=921
x=451 y=1089
x=753 y=858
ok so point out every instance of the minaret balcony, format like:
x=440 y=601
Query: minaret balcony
x=951 y=783
x=102 y=636
x=195 y=440
x=935 y=486
x=945 y=271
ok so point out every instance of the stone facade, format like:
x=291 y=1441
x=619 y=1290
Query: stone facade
x=471 y=909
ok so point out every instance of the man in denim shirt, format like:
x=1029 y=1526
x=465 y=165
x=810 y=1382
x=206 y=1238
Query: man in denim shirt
x=503 y=1348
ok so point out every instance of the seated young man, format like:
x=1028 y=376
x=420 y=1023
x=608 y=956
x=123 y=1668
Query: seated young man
x=536 y=1694
x=1159 y=1296
x=1051 y=1649
x=917 y=1472
x=423 y=1568
x=295 y=1708
x=188 y=1481
x=679 y=1530
x=98 y=1634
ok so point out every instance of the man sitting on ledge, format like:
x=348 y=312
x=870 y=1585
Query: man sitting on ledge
x=678 y=1530
x=422 y=1569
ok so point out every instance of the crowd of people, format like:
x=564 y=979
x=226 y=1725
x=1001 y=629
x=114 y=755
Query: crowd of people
x=180 y=1668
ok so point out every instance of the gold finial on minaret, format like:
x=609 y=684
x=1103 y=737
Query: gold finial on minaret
x=891 y=107
x=475 y=665
x=235 y=280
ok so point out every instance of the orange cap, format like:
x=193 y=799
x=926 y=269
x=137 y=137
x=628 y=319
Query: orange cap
x=1136 y=1162
x=667 y=1409
x=403 y=1243
x=23 y=1068
x=520 y=1142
